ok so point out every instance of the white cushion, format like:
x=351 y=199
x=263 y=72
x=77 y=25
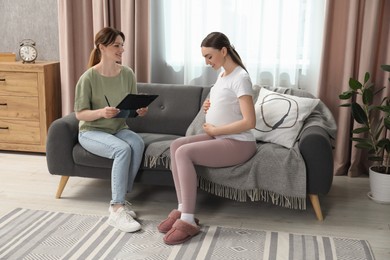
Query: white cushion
x=280 y=117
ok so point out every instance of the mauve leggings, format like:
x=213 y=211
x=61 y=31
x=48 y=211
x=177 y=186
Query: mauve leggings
x=206 y=151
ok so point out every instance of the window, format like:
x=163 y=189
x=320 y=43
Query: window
x=279 y=41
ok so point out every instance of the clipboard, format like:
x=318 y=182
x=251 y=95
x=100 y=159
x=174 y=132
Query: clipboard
x=135 y=101
x=132 y=102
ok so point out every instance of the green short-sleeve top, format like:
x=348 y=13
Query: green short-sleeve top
x=91 y=90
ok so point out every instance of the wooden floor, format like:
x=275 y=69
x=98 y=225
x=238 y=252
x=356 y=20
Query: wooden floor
x=26 y=183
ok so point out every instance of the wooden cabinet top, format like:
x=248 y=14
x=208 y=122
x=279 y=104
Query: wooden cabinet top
x=20 y=66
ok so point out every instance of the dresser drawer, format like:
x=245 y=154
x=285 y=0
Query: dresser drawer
x=19 y=107
x=30 y=100
x=19 y=131
x=18 y=83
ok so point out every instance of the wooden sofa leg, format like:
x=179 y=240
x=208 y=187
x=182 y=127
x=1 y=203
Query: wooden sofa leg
x=316 y=206
x=61 y=186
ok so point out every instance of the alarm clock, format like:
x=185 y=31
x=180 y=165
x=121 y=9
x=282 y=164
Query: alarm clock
x=27 y=51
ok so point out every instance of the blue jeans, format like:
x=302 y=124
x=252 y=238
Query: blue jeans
x=126 y=148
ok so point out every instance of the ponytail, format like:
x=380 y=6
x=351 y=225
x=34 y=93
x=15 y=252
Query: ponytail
x=94 y=57
x=236 y=57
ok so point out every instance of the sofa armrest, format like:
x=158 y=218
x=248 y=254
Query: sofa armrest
x=316 y=148
x=61 y=138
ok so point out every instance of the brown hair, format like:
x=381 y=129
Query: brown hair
x=105 y=36
x=218 y=40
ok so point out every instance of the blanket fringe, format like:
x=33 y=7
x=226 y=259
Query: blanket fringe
x=254 y=195
x=233 y=193
x=154 y=161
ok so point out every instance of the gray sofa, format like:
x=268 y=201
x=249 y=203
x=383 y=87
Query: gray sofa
x=169 y=117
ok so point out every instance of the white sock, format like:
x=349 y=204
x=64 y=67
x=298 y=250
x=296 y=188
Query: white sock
x=180 y=207
x=188 y=218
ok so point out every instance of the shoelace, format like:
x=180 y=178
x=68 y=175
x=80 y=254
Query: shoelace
x=127 y=216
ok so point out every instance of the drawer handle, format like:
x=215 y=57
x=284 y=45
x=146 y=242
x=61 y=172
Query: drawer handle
x=2 y=79
x=4 y=127
x=3 y=104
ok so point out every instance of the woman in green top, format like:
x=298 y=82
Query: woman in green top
x=107 y=82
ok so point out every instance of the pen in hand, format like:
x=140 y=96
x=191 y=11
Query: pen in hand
x=110 y=111
x=108 y=103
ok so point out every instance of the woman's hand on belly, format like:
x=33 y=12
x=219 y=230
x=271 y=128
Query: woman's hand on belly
x=209 y=129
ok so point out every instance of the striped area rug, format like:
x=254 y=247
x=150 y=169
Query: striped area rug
x=37 y=234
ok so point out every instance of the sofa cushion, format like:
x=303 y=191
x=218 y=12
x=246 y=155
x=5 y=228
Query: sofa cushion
x=173 y=110
x=85 y=158
x=279 y=117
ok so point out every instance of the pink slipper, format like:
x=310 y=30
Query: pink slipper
x=181 y=231
x=167 y=224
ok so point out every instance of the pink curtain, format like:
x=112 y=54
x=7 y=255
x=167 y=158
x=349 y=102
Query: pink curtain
x=79 y=21
x=357 y=41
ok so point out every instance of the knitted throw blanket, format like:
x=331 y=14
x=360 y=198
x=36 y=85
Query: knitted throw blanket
x=274 y=174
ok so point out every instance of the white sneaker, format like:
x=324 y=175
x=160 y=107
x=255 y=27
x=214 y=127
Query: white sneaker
x=128 y=209
x=123 y=221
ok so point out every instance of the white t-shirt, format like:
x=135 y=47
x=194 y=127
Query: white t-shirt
x=224 y=104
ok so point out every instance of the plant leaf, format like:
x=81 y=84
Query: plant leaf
x=386 y=122
x=361 y=140
x=366 y=77
x=367 y=96
x=358 y=114
x=384 y=108
x=355 y=84
x=365 y=146
x=384 y=143
x=360 y=130
x=346 y=95
x=378 y=131
x=386 y=67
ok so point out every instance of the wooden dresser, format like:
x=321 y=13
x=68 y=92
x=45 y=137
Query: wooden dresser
x=30 y=99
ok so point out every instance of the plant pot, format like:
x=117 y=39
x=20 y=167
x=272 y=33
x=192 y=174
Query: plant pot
x=380 y=187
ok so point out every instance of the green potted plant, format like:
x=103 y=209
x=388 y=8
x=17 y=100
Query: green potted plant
x=372 y=132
